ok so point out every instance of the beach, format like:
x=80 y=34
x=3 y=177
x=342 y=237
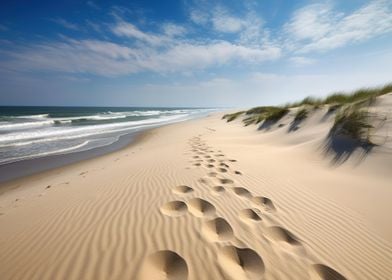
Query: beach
x=205 y=199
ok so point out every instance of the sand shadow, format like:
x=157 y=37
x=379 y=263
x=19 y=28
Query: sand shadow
x=294 y=125
x=341 y=148
x=267 y=125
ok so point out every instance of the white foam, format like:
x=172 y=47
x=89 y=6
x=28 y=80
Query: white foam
x=24 y=125
x=39 y=116
x=59 y=133
x=61 y=151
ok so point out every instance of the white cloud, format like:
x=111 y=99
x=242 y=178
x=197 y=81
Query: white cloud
x=318 y=27
x=126 y=29
x=173 y=30
x=312 y=22
x=111 y=59
x=199 y=17
x=222 y=21
x=301 y=60
x=65 y=23
x=247 y=28
x=200 y=56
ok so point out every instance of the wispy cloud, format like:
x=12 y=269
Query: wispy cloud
x=93 y=5
x=94 y=26
x=126 y=29
x=318 y=27
x=199 y=17
x=111 y=59
x=173 y=30
x=301 y=60
x=222 y=21
x=167 y=50
x=65 y=23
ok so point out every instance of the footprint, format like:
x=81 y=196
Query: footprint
x=217 y=230
x=174 y=208
x=164 y=265
x=224 y=165
x=211 y=160
x=212 y=174
x=237 y=172
x=201 y=208
x=242 y=192
x=265 y=202
x=249 y=216
x=219 y=155
x=281 y=234
x=182 y=189
x=232 y=160
x=239 y=264
x=196 y=157
x=210 y=166
x=207 y=156
x=203 y=181
x=226 y=181
x=327 y=273
x=222 y=170
x=218 y=189
x=197 y=164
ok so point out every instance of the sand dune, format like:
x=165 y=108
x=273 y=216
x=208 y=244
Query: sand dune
x=219 y=201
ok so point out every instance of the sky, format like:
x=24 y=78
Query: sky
x=193 y=53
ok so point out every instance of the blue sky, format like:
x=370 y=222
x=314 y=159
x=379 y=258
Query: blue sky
x=190 y=52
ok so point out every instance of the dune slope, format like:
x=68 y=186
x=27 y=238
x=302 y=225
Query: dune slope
x=206 y=200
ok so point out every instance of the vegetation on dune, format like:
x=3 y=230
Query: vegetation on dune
x=334 y=107
x=340 y=98
x=253 y=119
x=301 y=115
x=306 y=101
x=354 y=123
x=351 y=120
x=276 y=114
x=233 y=116
x=266 y=113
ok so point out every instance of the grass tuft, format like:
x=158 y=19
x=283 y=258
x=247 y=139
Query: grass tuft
x=301 y=115
x=276 y=114
x=233 y=116
x=265 y=113
x=354 y=123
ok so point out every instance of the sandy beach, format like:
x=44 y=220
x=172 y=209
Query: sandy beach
x=205 y=199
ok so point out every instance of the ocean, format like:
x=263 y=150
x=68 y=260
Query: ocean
x=34 y=132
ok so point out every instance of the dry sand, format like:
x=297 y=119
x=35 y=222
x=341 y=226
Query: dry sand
x=207 y=200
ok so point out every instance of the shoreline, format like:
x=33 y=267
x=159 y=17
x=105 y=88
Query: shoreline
x=24 y=168
x=163 y=197
x=28 y=167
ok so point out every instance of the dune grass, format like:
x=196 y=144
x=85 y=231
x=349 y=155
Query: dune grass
x=265 y=113
x=350 y=119
x=233 y=116
x=354 y=123
x=359 y=95
x=276 y=114
x=301 y=115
